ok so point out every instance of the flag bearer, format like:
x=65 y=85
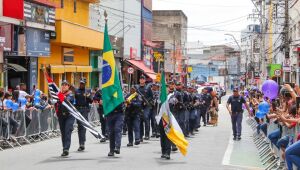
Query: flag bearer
x=65 y=119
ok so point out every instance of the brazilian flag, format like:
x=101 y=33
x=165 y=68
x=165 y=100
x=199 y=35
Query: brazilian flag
x=112 y=94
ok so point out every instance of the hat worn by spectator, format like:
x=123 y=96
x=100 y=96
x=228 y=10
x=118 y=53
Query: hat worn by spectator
x=171 y=82
x=65 y=82
x=178 y=83
x=142 y=77
x=82 y=81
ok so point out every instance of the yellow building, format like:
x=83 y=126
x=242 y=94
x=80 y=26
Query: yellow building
x=70 y=50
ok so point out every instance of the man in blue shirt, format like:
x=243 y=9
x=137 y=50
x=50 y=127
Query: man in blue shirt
x=235 y=109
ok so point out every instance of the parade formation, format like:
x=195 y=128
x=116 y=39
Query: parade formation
x=149 y=84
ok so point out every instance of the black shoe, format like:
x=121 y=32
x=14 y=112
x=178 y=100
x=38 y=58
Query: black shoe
x=153 y=136
x=141 y=140
x=147 y=138
x=111 y=153
x=117 y=151
x=174 y=149
x=204 y=125
x=167 y=157
x=65 y=153
x=129 y=144
x=235 y=138
x=102 y=140
x=197 y=130
x=163 y=156
x=158 y=136
x=137 y=142
x=239 y=138
x=81 y=148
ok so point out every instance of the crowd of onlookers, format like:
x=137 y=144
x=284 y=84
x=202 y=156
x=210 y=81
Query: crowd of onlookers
x=280 y=124
x=19 y=100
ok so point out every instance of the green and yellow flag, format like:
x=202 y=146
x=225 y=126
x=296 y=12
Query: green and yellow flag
x=171 y=126
x=112 y=94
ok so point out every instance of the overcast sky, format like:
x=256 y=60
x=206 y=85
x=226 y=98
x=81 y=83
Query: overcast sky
x=230 y=14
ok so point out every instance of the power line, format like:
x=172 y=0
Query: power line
x=158 y=21
x=197 y=4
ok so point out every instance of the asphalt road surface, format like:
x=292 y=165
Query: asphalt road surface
x=212 y=148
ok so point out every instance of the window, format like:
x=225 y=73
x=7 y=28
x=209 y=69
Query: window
x=213 y=69
x=61 y=3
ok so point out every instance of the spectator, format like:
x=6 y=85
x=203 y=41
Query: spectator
x=22 y=91
x=13 y=123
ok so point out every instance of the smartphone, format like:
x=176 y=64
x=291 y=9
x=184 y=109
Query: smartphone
x=287 y=94
x=297 y=103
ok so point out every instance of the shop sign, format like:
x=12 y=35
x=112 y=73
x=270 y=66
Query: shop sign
x=37 y=42
x=39 y=14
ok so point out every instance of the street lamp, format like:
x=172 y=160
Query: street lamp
x=240 y=49
x=209 y=65
x=235 y=41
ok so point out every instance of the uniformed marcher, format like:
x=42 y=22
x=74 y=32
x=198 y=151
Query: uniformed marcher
x=201 y=110
x=147 y=107
x=98 y=99
x=235 y=109
x=115 y=122
x=187 y=91
x=193 y=112
x=207 y=104
x=82 y=104
x=180 y=107
x=154 y=125
x=65 y=119
x=132 y=116
x=165 y=142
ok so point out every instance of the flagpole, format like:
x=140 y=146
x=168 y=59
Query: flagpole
x=158 y=101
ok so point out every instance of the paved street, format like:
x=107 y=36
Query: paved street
x=210 y=149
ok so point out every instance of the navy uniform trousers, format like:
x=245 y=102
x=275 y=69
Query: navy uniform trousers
x=115 y=122
x=164 y=140
x=66 y=123
x=82 y=130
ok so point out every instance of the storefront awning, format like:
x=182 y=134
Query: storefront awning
x=152 y=76
x=57 y=69
x=84 y=69
x=16 y=67
x=70 y=68
x=141 y=66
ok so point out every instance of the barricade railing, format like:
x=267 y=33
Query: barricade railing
x=20 y=117
x=3 y=127
x=33 y=128
x=94 y=117
x=46 y=117
x=269 y=154
x=54 y=123
x=32 y=125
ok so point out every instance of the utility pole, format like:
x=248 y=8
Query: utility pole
x=174 y=54
x=262 y=49
x=286 y=37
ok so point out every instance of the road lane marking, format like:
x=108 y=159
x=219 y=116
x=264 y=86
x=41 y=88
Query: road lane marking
x=228 y=152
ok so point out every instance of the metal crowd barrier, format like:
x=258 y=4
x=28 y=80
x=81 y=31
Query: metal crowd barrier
x=33 y=125
x=270 y=155
x=94 y=117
